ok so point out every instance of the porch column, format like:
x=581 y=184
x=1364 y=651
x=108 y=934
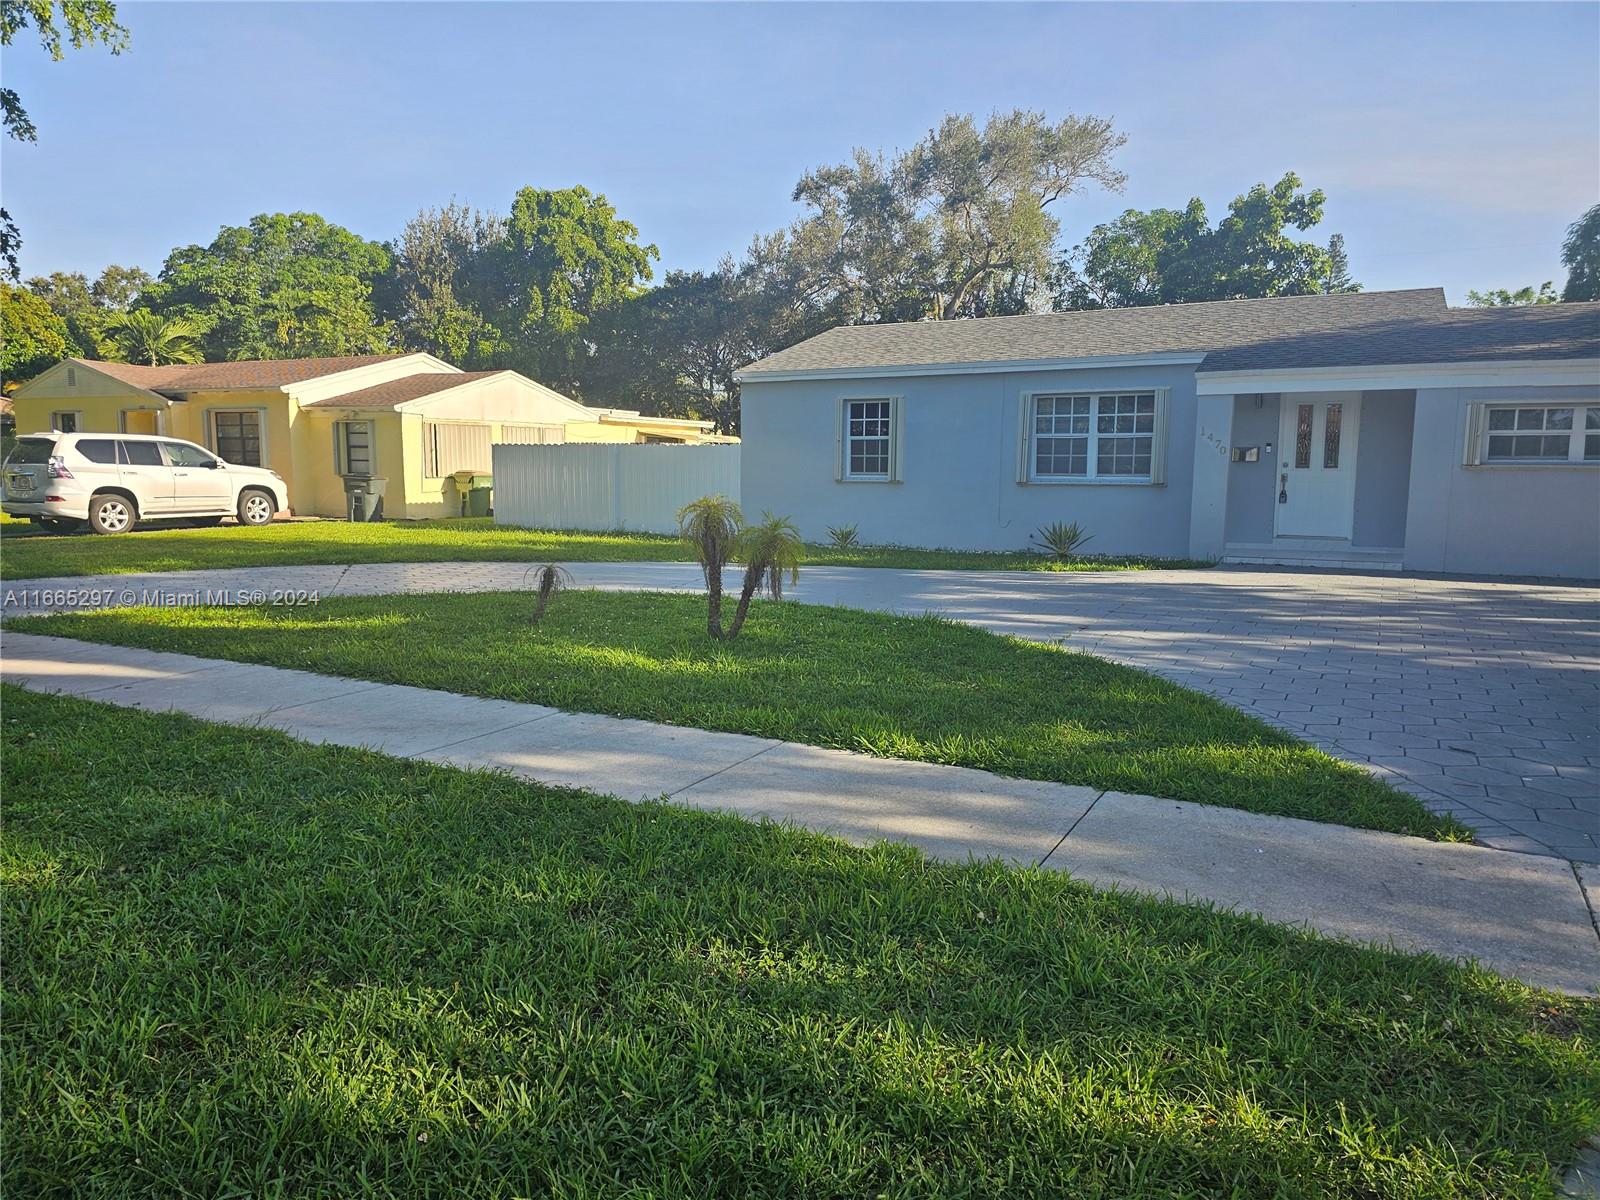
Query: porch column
x=1208 y=503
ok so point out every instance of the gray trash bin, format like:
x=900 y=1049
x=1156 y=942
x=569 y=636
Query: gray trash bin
x=363 y=496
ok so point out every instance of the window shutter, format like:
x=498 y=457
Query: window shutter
x=838 y=439
x=1024 y=436
x=1472 y=452
x=1158 y=444
x=338 y=448
x=897 y=438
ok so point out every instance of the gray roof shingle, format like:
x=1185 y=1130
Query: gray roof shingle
x=1285 y=332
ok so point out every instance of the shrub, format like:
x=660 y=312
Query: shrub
x=1061 y=541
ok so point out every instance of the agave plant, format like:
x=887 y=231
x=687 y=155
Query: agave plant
x=710 y=527
x=551 y=579
x=142 y=336
x=1061 y=541
x=769 y=551
x=843 y=537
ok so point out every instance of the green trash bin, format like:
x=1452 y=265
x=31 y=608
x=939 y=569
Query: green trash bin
x=363 y=496
x=474 y=488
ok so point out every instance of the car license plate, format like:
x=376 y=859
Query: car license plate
x=19 y=485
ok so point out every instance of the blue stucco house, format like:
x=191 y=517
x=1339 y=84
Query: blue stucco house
x=1382 y=430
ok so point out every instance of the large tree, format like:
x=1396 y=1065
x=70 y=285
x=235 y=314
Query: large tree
x=1580 y=254
x=1521 y=298
x=1165 y=256
x=88 y=307
x=287 y=285
x=441 y=268
x=565 y=258
x=960 y=223
x=59 y=23
x=672 y=351
x=32 y=335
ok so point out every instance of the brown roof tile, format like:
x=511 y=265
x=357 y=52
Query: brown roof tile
x=251 y=373
x=398 y=391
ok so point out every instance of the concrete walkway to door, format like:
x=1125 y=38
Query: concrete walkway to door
x=1481 y=698
x=1522 y=915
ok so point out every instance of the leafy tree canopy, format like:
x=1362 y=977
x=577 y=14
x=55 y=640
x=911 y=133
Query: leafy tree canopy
x=1580 y=254
x=151 y=340
x=87 y=307
x=1505 y=298
x=32 y=335
x=440 y=269
x=959 y=224
x=1169 y=257
x=564 y=259
x=287 y=285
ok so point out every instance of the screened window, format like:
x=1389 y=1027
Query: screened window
x=866 y=439
x=65 y=422
x=448 y=447
x=1532 y=434
x=238 y=437
x=1110 y=436
x=355 y=447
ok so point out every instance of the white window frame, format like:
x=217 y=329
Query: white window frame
x=77 y=420
x=1478 y=434
x=843 y=438
x=339 y=464
x=260 y=414
x=1027 y=457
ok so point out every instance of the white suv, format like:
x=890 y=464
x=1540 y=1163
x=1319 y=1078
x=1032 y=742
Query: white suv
x=115 y=480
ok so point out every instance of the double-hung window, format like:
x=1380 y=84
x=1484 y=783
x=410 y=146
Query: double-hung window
x=237 y=436
x=1529 y=434
x=868 y=441
x=1085 y=436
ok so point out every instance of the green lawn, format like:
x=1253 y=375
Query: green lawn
x=28 y=553
x=902 y=687
x=240 y=965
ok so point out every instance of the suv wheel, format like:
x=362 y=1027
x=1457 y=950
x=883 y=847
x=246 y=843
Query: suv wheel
x=112 y=513
x=255 y=507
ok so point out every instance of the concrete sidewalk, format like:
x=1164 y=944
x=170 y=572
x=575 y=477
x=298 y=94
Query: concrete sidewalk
x=1482 y=699
x=1523 y=915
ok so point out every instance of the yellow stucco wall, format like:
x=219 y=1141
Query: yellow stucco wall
x=593 y=431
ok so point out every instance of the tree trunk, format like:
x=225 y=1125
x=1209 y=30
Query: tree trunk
x=714 y=602
x=743 y=611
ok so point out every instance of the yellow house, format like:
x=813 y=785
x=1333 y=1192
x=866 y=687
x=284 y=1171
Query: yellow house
x=411 y=419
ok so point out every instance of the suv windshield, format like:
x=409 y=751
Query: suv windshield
x=32 y=451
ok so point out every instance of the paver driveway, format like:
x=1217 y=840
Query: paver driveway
x=1482 y=698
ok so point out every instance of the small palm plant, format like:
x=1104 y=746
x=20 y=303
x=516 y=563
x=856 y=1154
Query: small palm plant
x=142 y=336
x=550 y=580
x=710 y=527
x=769 y=551
x=843 y=537
x=1062 y=541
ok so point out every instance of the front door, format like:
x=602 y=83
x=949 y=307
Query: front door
x=1317 y=465
x=141 y=420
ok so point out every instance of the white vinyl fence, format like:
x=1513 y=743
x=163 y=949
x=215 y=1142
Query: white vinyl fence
x=600 y=486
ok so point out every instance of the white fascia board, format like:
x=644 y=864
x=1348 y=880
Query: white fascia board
x=422 y=403
x=117 y=386
x=326 y=387
x=973 y=368
x=1507 y=373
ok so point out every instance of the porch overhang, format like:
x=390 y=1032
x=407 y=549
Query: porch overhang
x=1401 y=377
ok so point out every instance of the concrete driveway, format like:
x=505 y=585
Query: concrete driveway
x=1482 y=698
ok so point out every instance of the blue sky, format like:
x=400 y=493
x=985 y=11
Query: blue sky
x=1455 y=142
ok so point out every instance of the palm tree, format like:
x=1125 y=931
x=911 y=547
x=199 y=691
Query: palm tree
x=142 y=336
x=710 y=527
x=769 y=551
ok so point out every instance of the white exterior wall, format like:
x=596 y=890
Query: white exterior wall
x=599 y=486
x=959 y=456
x=1538 y=519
